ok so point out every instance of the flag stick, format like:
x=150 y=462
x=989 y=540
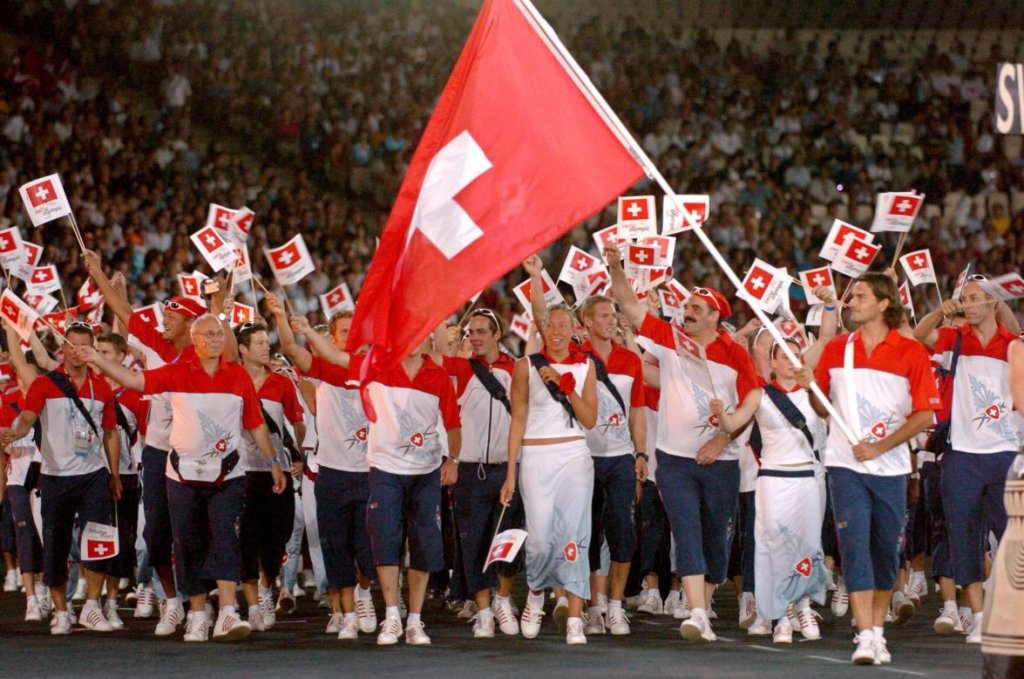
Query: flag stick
x=811 y=289
x=899 y=248
x=601 y=107
x=252 y=285
x=64 y=301
x=938 y=291
x=847 y=291
x=469 y=310
x=78 y=234
x=284 y=294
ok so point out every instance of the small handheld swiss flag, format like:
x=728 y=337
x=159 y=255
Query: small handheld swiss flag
x=99 y=541
x=505 y=546
x=89 y=296
x=242 y=313
x=765 y=286
x=906 y=301
x=837 y=235
x=15 y=311
x=520 y=327
x=1008 y=286
x=896 y=211
x=817 y=278
x=576 y=261
x=855 y=257
x=524 y=292
x=44 y=279
x=919 y=267
x=338 y=299
x=217 y=252
x=673 y=219
x=45 y=200
x=219 y=217
x=290 y=262
x=192 y=285
x=637 y=217
x=640 y=255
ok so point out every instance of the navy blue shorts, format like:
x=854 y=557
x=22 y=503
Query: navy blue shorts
x=157 y=529
x=870 y=513
x=205 y=523
x=654 y=532
x=267 y=521
x=741 y=556
x=403 y=506
x=700 y=501
x=8 y=540
x=30 y=548
x=341 y=522
x=86 y=496
x=938 y=541
x=477 y=508
x=612 y=509
x=123 y=565
x=972 y=499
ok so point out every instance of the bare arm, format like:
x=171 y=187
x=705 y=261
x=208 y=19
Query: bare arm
x=113 y=369
x=585 y=405
x=112 y=446
x=323 y=347
x=117 y=302
x=261 y=435
x=517 y=427
x=738 y=419
x=42 y=356
x=927 y=328
x=25 y=371
x=538 y=307
x=1015 y=356
x=629 y=305
x=289 y=347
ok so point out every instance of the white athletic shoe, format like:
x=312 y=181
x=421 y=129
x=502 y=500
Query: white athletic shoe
x=390 y=630
x=594 y=618
x=671 y=603
x=483 y=624
x=80 y=589
x=618 y=623
x=256 y=618
x=783 y=632
x=917 y=587
x=170 y=617
x=33 y=612
x=415 y=635
x=902 y=607
x=529 y=624
x=948 y=622
x=230 y=627
x=711 y=610
x=882 y=655
x=297 y=591
x=975 y=636
x=266 y=604
x=286 y=603
x=682 y=611
x=365 y=612
x=697 y=628
x=652 y=604
x=574 y=633
x=966 y=619
x=110 y=611
x=747 y=610
x=61 y=623
x=807 y=617
x=840 y=599
x=468 y=611
x=46 y=606
x=561 y=613
x=864 y=654
x=349 y=628
x=93 y=619
x=11 y=581
x=122 y=584
x=197 y=626
x=145 y=601
x=334 y=623
x=504 y=616
x=308 y=579
x=762 y=627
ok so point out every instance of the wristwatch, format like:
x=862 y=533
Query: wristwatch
x=642 y=456
x=222 y=316
x=454 y=460
x=271 y=461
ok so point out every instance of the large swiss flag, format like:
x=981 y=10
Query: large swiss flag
x=515 y=154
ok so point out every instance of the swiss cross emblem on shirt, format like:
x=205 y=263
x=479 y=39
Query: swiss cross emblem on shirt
x=713 y=420
x=993 y=412
x=803 y=567
x=416 y=439
x=879 y=431
x=571 y=551
x=221 y=446
x=42 y=192
x=362 y=431
x=615 y=420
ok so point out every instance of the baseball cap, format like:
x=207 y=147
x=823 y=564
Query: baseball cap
x=186 y=306
x=715 y=300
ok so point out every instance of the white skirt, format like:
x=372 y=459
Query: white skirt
x=557 y=485
x=788 y=562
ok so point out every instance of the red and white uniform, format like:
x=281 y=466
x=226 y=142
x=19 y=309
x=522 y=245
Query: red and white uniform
x=157 y=352
x=405 y=437
x=546 y=417
x=892 y=384
x=209 y=413
x=279 y=400
x=136 y=410
x=982 y=418
x=342 y=427
x=70 y=447
x=610 y=437
x=783 y=445
x=485 y=421
x=20 y=452
x=687 y=422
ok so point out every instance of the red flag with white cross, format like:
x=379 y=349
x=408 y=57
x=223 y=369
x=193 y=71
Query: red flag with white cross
x=765 y=286
x=918 y=266
x=44 y=279
x=673 y=220
x=837 y=235
x=215 y=249
x=45 y=200
x=15 y=311
x=855 y=257
x=817 y=278
x=338 y=299
x=637 y=217
x=291 y=262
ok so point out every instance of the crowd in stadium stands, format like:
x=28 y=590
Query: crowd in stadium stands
x=309 y=114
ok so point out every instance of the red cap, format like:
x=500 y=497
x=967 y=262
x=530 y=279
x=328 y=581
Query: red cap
x=715 y=300
x=186 y=306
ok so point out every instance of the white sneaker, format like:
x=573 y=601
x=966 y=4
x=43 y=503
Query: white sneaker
x=415 y=635
x=122 y=584
x=840 y=599
x=365 y=612
x=864 y=654
x=948 y=622
x=682 y=611
x=308 y=579
x=11 y=581
x=469 y=610
x=267 y=608
x=594 y=621
x=574 y=633
x=783 y=632
x=390 y=630
x=762 y=627
x=697 y=628
x=618 y=623
x=529 y=624
x=256 y=618
x=711 y=611
x=882 y=655
x=808 y=619
x=652 y=604
x=110 y=611
x=145 y=601
x=334 y=623
x=638 y=599
x=561 y=613
x=966 y=619
x=286 y=603
x=504 y=616
x=93 y=619
x=483 y=624
x=975 y=636
x=33 y=613
x=46 y=607
x=170 y=617
x=349 y=628
x=902 y=607
x=230 y=627
x=671 y=603
x=747 y=610
x=197 y=626
x=830 y=580
x=297 y=591
x=61 y=623
x=916 y=588
x=80 y=589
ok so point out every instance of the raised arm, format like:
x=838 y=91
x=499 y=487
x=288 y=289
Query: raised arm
x=538 y=307
x=289 y=347
x=113 y=369
x=926 y=331
x=625 y=297
x=42 y=356
x=115 y=300
x=323 y=347
x=25 y=371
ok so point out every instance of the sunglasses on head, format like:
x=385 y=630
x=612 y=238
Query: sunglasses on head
x=79 y=325
x=707 y=296
x=977 y=277
x=284 y=359
x=248 y=325
x=321 y=328
x=175 y=306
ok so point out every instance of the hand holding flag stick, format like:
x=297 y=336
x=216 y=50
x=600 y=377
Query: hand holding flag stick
x=284 y=295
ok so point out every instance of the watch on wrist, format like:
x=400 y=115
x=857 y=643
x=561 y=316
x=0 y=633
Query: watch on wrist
x=454 y=460
x=915 y=476
x=222 y=316
x=271 y=461
x=642 y=456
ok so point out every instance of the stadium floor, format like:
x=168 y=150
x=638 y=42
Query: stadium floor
x=298 y=647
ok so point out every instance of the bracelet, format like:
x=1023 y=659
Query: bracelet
x=829 y=308
x=454 y=460
x=642 y=456
x=272 y=461
x=915 y=476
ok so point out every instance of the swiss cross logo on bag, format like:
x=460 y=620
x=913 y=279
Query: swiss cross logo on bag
x=221 y=446
x=416 y=439
x=362 y=431
x=993 y=412
x=571 y=552
x=803 y=567
x=879 y=431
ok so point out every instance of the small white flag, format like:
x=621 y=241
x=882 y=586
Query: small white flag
x=338 y=299
x=99 y=541
x=672 y=218
x=837 y=236
x=290 y=262
x=217 y=251
x=20 y=315
x=919 y=267
x=505 y=546
x=45 y=200
x=637 y=217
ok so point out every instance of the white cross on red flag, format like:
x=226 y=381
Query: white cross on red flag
x=837 y=235
x=855 y=257
x=43 y=303
x=242 y=313
x=505 y=546
x=58 y=320
x=817 y=278
x=672 y=218
x=765 y=286
x=338 y=299
x=664 y=248
x=524 y=292
x=671 y=306
x=217 y=251
x=240 y=225
x=99 y=541
x=520 y=327
x=906 y=300
x=89 y=295
x=896 y=211
x=152 y=315
x=242 y=265
x=680 y=290
x=12 y=253
x=192 y=285
x=505 y=165
x=20 y=315
x=219 y=217
x=640 y=255
x=686 y=346
x=637 y=217
x=290 y=262
x=918 y=266
x=44 y=279
x=576 y=261
x=1008 y=286
x=45 y=200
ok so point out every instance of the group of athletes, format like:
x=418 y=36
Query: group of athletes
x=609 y=442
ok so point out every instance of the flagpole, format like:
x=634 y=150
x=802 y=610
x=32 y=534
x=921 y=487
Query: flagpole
x=641 y=157
x=287 y=302
x=78 y=234
x=899 y=248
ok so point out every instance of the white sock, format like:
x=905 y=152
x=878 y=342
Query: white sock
x=360 y=592
x=41 y=591
x=879 y=632
x=112 y=602
x=413 y=619
x=536 y=600
x=265 y=591
x=392 y=612
x=225 y=610
x=501 y=599
x=698 y=612
x=564 y=601
x=613 y=604
x=867 y=634
x=31 y=599
x=91 y=603
x=351 y=616
x=173 y=601
x=977 y=618
x=949 y=607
